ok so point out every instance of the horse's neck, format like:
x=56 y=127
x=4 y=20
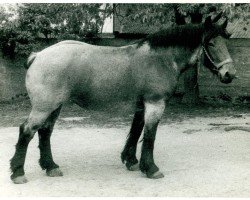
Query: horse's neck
x=179 y=58
x=192 y=60
x=195 y=57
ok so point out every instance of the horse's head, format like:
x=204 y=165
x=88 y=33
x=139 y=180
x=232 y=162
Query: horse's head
x=216 y=55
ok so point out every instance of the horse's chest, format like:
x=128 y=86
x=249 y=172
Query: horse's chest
x=154 y=76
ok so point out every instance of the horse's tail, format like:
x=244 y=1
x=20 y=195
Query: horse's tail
x=31 y=59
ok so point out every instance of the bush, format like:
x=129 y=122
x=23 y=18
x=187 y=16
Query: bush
x=19 y=37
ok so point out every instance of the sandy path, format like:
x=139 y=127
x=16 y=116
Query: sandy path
x=197 y=158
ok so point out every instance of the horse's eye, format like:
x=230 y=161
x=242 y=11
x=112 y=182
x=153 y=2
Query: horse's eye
x=210 y=44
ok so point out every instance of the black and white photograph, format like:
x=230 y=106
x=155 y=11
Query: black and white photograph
x=125 y=99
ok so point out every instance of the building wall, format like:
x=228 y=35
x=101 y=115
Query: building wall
x=12 y=79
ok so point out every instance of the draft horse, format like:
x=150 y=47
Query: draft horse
x=146 y=72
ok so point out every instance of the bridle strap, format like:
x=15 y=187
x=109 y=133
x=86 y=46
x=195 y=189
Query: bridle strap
x=228 y=60
x=218 y=65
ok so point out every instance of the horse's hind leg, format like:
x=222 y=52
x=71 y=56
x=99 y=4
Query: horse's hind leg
x=26 y=133
x=128 y=154
x=44 y=134
x=153 y=113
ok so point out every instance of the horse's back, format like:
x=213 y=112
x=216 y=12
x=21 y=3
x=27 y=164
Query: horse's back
x=77 y=69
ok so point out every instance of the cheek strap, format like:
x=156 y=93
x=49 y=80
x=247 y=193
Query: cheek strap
x=217 y=65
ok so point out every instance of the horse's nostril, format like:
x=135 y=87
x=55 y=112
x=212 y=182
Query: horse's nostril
x=227 y=78
x=227 y=75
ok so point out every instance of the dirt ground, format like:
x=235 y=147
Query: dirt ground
x=197 y=149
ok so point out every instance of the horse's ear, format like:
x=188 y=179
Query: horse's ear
x=227 y=34
x=208 y=22
x=224 y=25
x=215 y=19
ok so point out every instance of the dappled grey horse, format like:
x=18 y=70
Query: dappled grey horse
x=146 y=72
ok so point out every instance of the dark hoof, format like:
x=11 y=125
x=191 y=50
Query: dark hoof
x=54 y=172
x=20 y=180
x=131 y=164
x=155 y=175
x=134 y=167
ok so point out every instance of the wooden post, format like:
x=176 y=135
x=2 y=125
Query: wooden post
x=191 y=87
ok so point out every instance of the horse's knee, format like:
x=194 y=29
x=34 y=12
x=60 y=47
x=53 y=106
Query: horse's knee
x=154 y=110
x=153 y=113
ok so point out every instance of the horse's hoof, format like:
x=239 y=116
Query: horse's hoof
x=54 y=172
x=156 y=175
x=20 y=180
x=134 y=167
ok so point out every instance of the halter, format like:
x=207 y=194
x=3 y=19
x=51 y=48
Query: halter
x=217 y=66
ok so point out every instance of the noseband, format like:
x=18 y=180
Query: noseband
x=217 y=66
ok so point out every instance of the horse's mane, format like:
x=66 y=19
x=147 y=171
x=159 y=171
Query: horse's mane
x=183 y=35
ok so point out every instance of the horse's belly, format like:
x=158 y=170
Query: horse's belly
x=110 y=80
x=105 y=95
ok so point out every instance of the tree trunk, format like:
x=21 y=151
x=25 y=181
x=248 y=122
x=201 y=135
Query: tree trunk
x=191 y=93
x=191 y=87
x=179 y=19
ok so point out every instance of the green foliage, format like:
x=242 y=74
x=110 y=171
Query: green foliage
x=55 y=19
x=50 y=20
x=156 y=12
x=6 y=13
x=165 y=13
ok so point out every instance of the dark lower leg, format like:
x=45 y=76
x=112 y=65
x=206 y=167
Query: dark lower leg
x=153 y=112
x=129 y=152
x=44 y=134
x=147 y=164
x=17 y=162
x=46 y=159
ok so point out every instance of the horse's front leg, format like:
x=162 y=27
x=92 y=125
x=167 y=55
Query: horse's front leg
x=128 y=154
x=153 y=112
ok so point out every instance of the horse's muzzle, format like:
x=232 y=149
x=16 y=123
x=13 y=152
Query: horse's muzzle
x=227 y=73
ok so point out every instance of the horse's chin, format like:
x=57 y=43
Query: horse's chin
x=226 y=80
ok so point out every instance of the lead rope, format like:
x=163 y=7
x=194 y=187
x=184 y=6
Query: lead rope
x=199 y=54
